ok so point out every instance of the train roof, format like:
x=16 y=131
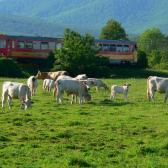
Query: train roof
x=115 y=41
x=38 y=38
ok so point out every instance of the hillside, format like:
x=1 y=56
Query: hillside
x=51 y=17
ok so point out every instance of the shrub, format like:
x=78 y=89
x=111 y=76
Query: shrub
x=10 y=68
x=142 y=59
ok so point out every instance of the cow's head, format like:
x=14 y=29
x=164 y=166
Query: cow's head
x=26 y=104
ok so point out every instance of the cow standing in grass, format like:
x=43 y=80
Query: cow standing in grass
x=94 y=82
x=115 y=89
x=32 y=84
x=50 y=75
x=48 y=84
x=158 y=84
x=73 y=87
x=14 y=90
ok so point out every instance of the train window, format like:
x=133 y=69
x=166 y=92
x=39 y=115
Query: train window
x=52 y=45
x=8 y=43
x=119 y=48
x=100 y=46
x=44 y=45
x=13 y=44
x=125 y=48
x=105 y=47
x=21 y=44
x=36 y=45
x=29 y=45
x=112 y=47
x=2 y=43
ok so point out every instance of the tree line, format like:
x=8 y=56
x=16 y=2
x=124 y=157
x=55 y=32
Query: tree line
x=78 y=53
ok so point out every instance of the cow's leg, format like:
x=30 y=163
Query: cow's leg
x=72 y=98
x=4 y=97
x=148 y=94
x=9 y=102
x=59 y=97
x=166 y=95
x=113 y=95
x=126 y=96
x=80 y=98
x=152 y=93
x=55 y=91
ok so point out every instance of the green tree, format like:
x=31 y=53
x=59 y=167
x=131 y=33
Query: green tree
x=113 y=31
x=77 y=55
x=142 y=59
x=151 y=39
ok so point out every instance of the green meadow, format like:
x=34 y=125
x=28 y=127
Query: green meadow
x=100 y=133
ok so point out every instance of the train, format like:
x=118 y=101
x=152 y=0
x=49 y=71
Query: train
x=27 y=46
x=118 y=51
x=24 y=47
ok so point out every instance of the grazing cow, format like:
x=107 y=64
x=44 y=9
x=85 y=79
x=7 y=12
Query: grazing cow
x=60 y=77
x=81 y=77
x=32 y=84
x=50 y=75
x=119 y=89
x=159 y=84
x=48 y=84
x=14 y=90
x=93 y=82
x=73 y=87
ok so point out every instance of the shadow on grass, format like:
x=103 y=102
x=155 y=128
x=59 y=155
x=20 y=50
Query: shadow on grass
x=134 y=72
x=107 y=102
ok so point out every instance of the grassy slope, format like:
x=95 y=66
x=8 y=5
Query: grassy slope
x=101 y=133
x=83 y=16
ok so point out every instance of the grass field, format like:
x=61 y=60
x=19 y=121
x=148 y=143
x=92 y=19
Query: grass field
x=101 y=133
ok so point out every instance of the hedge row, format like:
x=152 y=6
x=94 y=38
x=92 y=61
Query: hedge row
x=10 y=68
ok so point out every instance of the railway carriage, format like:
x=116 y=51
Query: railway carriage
x=118 y=51
x=27 y=46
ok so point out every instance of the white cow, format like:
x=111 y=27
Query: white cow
x=60 y=77
x=159 y=84
x=94 y=82
x=48 y=84
x=115 y=89
x=14 y=90
x=81 y=77
x=73 y=87
x=32 y=84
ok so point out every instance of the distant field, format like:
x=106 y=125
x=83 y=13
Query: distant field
x=101 y=133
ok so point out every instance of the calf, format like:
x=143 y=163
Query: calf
x=119 y=89
x=48 y=84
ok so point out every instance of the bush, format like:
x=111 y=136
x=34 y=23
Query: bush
x=97 y=71
x=142 y=59
x=10 y=68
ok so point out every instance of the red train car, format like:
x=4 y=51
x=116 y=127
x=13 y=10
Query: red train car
x=27 y=47
x=118 y=51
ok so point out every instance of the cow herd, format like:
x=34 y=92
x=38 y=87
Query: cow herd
x=77 y=87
